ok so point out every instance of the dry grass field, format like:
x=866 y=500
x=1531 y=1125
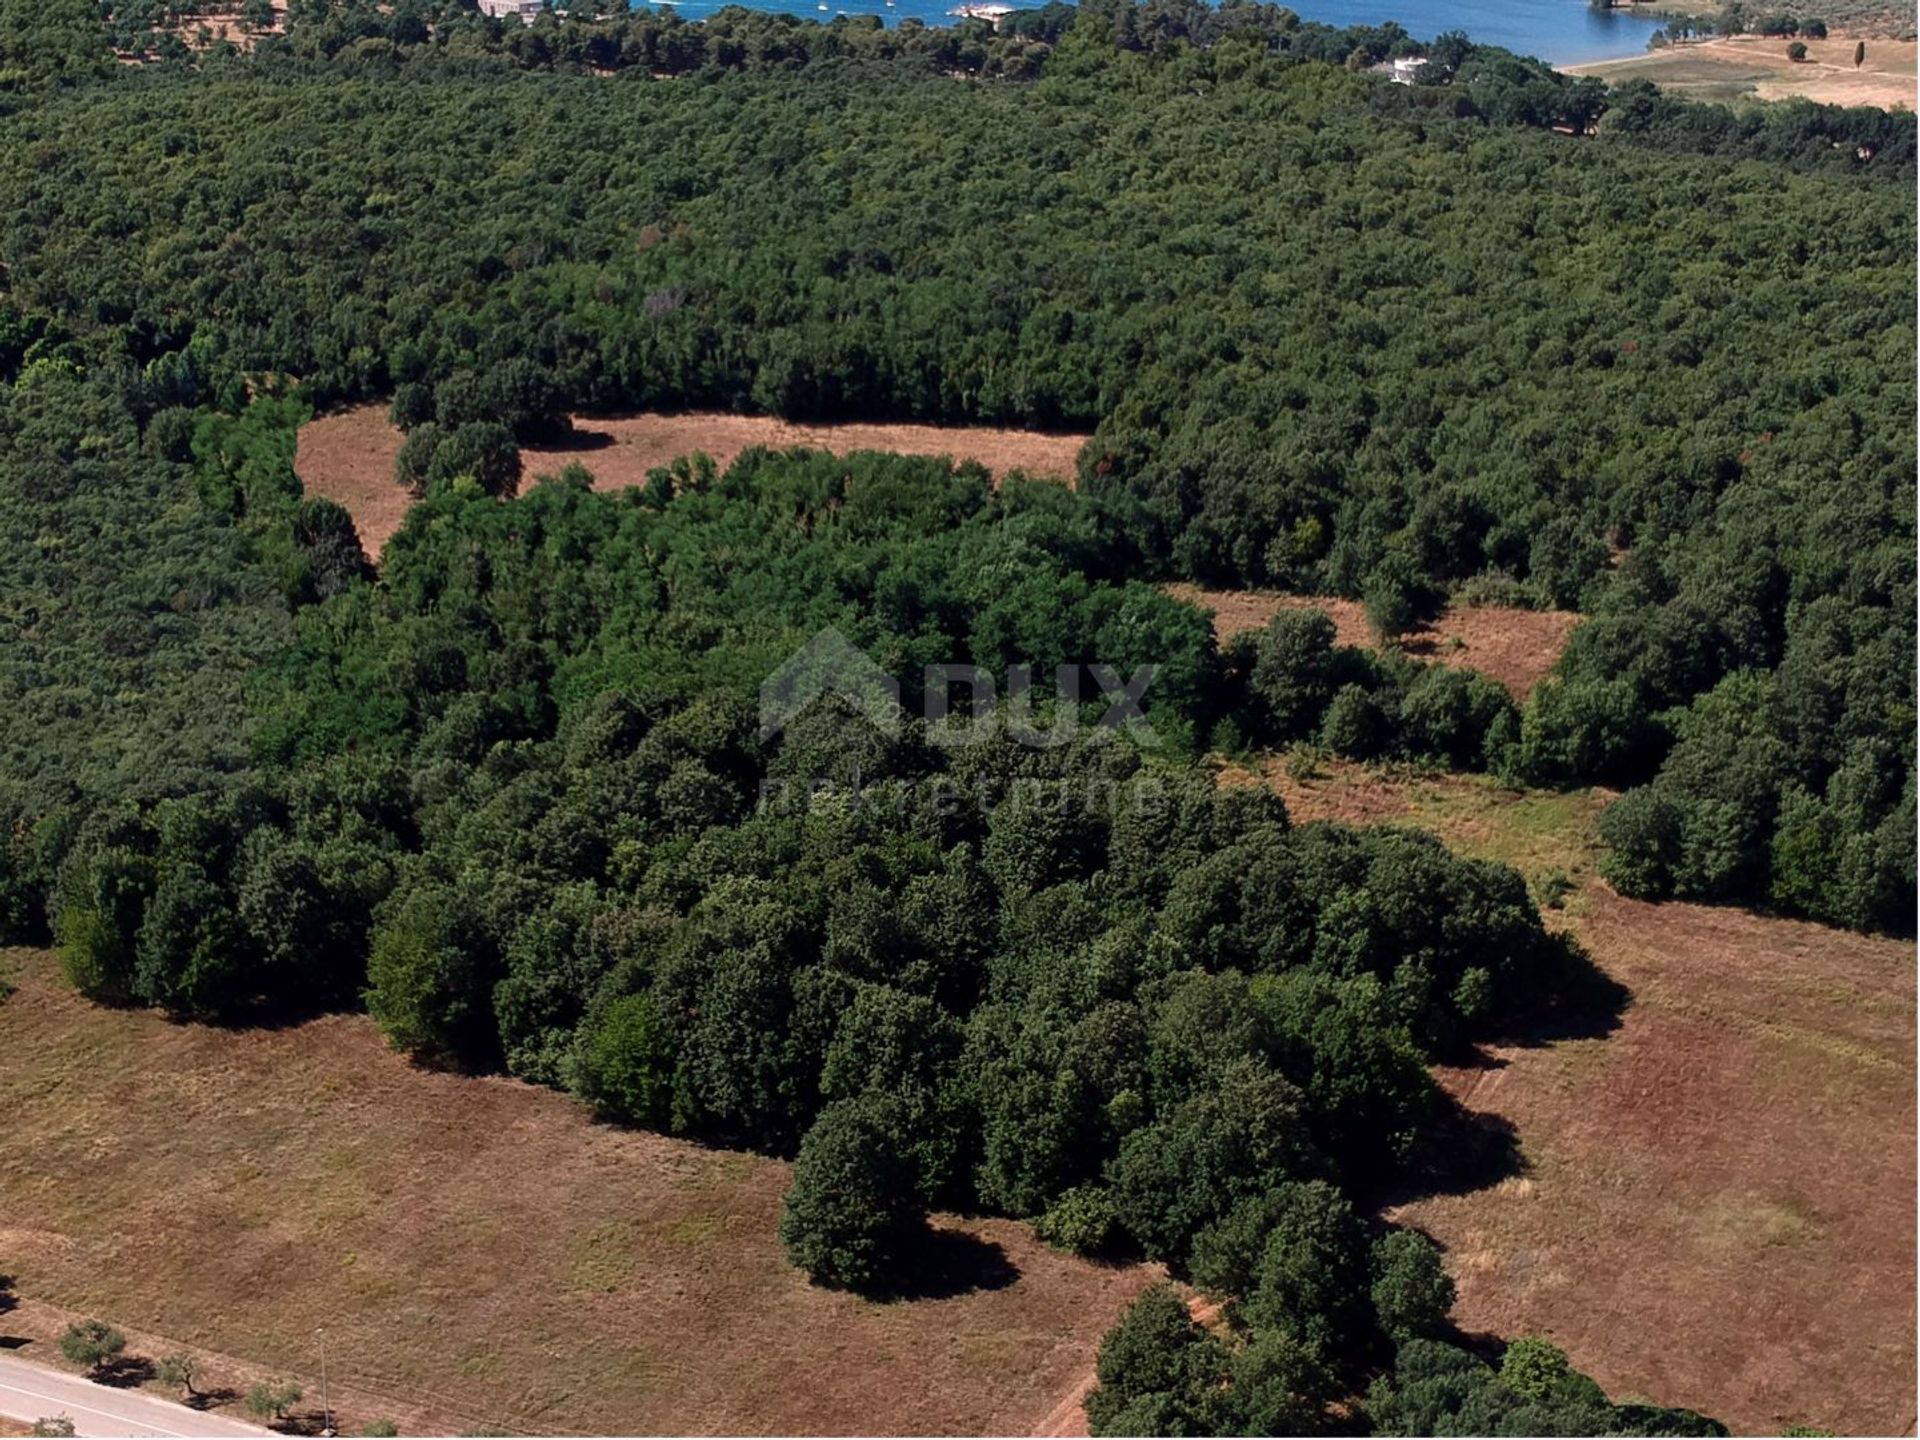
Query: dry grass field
x=1717 y=1206
x=348 y=456
x=1514 y=647
x=1729 y=67
x=481 y=1256
x=1714 y=1205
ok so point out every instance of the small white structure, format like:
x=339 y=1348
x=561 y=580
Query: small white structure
x=1401 y=71
x=526 y=10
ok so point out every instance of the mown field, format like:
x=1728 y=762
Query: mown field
x=482 y=1257
x=1727 y=1159
x=1715 y=1196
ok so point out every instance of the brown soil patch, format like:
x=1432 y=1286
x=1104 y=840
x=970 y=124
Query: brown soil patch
x=1726 y=66
x=1718 y=1204
x=348 y=457
x=479 y=1253
x=1516 y=648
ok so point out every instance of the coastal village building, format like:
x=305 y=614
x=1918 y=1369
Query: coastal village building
x=501 y=9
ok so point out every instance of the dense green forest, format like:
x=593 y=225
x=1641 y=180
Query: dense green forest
x=1401 y=337
x=1500 y=333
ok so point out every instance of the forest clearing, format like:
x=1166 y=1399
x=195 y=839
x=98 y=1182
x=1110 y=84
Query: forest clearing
x=1515 y=647
x=348 y=456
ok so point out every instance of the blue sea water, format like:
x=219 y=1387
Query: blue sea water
x=1562 y=32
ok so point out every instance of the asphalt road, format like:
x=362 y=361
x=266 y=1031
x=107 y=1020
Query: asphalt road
x=30 y=1392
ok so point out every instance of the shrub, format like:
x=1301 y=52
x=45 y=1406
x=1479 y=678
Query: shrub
x=1083 y=1221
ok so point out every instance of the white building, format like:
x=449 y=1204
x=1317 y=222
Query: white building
x=1402 y=71
x=501 y=9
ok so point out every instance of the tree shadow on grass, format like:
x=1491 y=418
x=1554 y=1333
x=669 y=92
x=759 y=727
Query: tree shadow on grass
x=124 y=1373
x=207 y=1399
x=576 y=439
x=1459 y=1151
x=1579 y=1001
x=942 y=1264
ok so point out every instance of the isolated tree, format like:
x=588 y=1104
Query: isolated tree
x=1859 y=54
x=1797 y=51
x=272 y=1399
x=176 y=1369
x=92 y=1343
x=853 y=1205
